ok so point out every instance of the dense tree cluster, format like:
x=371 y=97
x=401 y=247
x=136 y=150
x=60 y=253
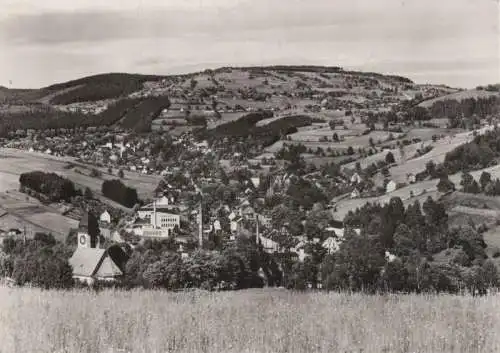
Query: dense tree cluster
x=477 y=154
x=117 y=191
x=140 y=117
x=41 y=262
x=52 y=186
x=132 y=113
x=414 y=238
x=99 y=87
x=454 y=110
x=239 y=265
x=258 y=136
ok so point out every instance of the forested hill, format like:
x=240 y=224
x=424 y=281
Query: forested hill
x=135 y=100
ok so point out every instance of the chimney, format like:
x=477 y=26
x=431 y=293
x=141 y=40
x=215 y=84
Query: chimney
x=200 y=226
x=154 y=213
x=257 y=237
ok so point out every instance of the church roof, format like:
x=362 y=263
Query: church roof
x=90 y=262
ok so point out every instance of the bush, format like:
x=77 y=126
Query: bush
x=117 y=191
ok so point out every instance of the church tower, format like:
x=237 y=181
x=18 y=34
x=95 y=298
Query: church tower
x=88 y=231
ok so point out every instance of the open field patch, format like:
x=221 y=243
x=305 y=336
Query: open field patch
x=245 y=321
x=23 y=161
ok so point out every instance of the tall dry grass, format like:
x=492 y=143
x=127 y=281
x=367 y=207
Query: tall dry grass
x=32 y=320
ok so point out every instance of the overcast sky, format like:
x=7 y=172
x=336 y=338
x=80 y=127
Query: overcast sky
x=455 y=42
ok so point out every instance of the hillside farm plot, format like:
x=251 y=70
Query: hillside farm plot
x=22 y=161
x=426 y=134
x=20 y=210
x=400 y=154
x=317 y=132
x=356 y=142
x=407 y=193
x=437 y=155
x=58 y=224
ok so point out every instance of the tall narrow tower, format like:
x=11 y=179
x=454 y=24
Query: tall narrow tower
x=200 y=225
x=154 y=214
x=257 y=236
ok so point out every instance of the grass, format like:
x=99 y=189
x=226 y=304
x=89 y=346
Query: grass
x=21 y=161
x=248 y=321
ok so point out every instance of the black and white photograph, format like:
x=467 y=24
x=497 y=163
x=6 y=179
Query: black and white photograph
x=249 y=176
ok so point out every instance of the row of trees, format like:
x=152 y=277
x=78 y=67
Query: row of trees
x=52 y=186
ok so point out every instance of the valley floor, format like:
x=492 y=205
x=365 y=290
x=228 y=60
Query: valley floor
x=268 y=320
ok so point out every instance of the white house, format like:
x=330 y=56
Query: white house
x=236 y=225
x=355 y=194
x=269 y=245
x=162 y=202
x=391 y=186
x=331 y=244
x=255 y=182
x=356 y=178
x=390 y=257
x=105 y=217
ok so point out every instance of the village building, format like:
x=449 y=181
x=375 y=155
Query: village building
x=390 y=186
x=90 y=263
x=270 y=246
x=356 y=178
x=105 y=217
x=157 y=220
x=355 y=194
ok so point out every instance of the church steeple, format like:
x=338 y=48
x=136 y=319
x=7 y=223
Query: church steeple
x=88 y=231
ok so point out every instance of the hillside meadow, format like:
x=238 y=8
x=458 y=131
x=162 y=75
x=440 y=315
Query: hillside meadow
x=32 y=320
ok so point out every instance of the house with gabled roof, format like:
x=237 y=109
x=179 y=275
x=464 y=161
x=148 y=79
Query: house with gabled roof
x=91 y=263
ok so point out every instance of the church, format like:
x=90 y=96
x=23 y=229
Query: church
x=92 y=263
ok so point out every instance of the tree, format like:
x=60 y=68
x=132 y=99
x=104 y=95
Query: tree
x=356 y=265
x=445 y=184
x=121 y=174
x=405 y=241
x=43 y=268
x=484 y=180
x=95 y=173
x=430 y=168
x=88 y=194
x=389 y=158
x=168 y=272
x=350 y=151
x=493 y=188
x=117 y=191
x=335 y=137
x=490 y=274
x=469 y=184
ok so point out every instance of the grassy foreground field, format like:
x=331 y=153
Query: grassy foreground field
x=32 y=320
